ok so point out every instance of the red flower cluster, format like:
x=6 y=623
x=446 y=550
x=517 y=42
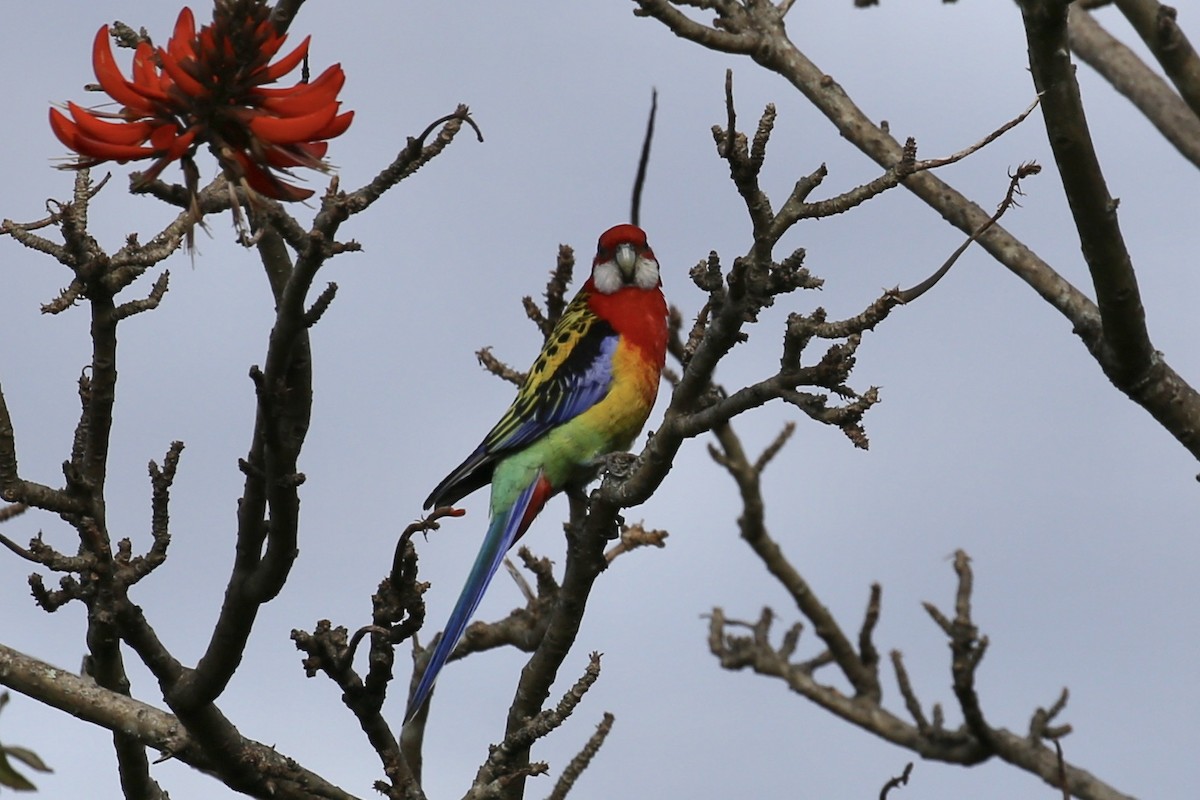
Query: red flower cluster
x=208 y=87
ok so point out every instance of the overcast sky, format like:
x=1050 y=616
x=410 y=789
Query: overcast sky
x=997 y=432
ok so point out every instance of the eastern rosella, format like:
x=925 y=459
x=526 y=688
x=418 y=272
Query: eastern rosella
x=587 y=395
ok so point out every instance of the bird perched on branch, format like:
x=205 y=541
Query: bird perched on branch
x=586 y=396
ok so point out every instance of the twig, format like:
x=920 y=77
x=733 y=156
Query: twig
x=1062 y=770
x=415 y=155
x=1014 y=190
x=556 y=288
x=15 y=510
x=635 y=206
x=1137 y=82
x=582 y=759
x=509 y=759
x=633 y=537
x=1157 y=26
x=899 y=780
x=934 y=163
x=906 y=691
x=497 y=367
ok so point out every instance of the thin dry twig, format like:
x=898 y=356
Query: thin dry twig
x=582 y=759
x=509 y=759
x=488 y=361
x=899 y=780
x=1010 y=199
x=634 y=536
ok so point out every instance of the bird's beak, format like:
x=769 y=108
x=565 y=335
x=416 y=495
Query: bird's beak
x=626 y=258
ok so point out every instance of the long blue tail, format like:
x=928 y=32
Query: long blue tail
x=504 y=529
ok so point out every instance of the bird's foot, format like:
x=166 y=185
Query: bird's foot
x=618 y=465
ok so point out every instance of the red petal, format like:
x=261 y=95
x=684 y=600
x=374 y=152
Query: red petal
x=302 y=154
x=291 y=194
x=147 y=80
x=182 y=142
x=182 y=43
x=107 y=151
x=336 y=127
x=289 y=130
x=153 y=171
x=286 y=64
x=110 y=78
x=145 y=71
x=66 y=130
x=305 y=98
x=332 y=73
x=266 y=184
x=271 y=38
x=112 y=132
x=170 y=143
x=189 y=85
x=164 y=136
x=207 y=43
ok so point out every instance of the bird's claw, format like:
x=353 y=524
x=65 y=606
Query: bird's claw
x=618 y=526
x=618 y=465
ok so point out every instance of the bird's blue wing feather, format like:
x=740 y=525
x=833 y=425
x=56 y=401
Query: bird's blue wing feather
x=580 y=381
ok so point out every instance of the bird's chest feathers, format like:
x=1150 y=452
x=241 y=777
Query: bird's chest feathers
x=630 y=363
x=639 y=317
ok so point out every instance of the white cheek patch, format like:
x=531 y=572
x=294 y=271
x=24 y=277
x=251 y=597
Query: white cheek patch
x=645 y=273
x=607 y=277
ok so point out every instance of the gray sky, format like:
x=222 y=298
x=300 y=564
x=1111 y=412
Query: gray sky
x=997 y=432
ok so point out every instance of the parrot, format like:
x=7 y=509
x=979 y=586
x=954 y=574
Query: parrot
x=587 y=395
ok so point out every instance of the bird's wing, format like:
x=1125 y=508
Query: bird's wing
x=572 y=374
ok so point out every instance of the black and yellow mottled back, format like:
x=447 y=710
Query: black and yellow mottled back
x=571 y=374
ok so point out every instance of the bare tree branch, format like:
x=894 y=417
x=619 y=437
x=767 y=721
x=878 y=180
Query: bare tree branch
x=1113 y=331
x=899 y=780
x=1128 y=352
x=415 y=155
x=1130 y=76
x=510 y=758
x=1155 y=23
x=149 y=726
x=582 y=759
x=971 y=743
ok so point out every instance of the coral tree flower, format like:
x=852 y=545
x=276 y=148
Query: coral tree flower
x=210 y=87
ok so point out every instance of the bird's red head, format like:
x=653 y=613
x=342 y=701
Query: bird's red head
x=618 y=234
x=624 y=258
